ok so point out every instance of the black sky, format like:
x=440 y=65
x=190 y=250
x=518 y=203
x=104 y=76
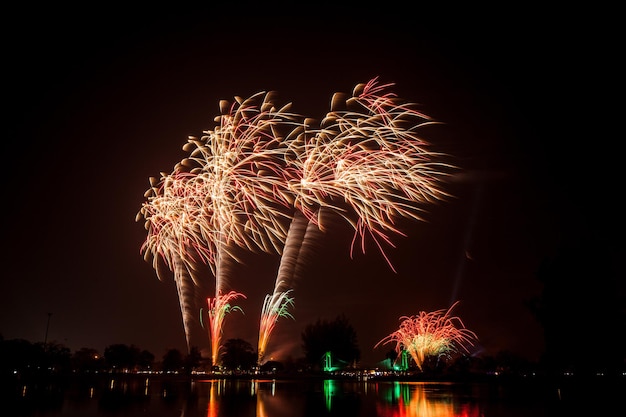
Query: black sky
x=98 y=101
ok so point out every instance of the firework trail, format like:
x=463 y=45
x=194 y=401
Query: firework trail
x=244 y=203
x=243 y=180
x=430 y=334
x=171 y=215
x=219 y=306
x=274 y=306
x=243 y=159
x=277 y=304
x=298 y=245
x=229 y=198
x=367 y=163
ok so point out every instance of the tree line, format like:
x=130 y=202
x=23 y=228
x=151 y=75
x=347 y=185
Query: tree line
x=25 y=358
x=581 y=309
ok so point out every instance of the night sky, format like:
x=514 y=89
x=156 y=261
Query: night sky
x=98 y=101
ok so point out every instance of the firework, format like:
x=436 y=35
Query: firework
x=437 y=333
x=242 y=159
x=367 y=163
x=244 y=180
x=224 y=196
x=218 y=308
x=172 y=215
x=244 y=204
x=274 y=306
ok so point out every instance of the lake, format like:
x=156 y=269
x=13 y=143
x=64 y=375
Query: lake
x=160 y=396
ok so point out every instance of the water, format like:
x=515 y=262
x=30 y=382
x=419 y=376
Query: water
x=180 y=397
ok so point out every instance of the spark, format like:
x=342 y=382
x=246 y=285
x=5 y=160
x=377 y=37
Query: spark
x=219 y=306
x=430 y=334
x=365 y=162
x=274 y=306
x=368 y=164
x=264 y=175
x=172 y=219
x=225 y=196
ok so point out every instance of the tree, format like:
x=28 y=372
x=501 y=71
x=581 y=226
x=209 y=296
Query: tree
x=145 y=360
x=86 y=360
x=120 y=357
x=238 y=355
x=337 y=337
x=173 y=360
x=19 y=356
x=57 y=357
x=192 y=359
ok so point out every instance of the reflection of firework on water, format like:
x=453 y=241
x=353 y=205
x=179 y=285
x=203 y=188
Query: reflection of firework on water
x=218 y=308
x=419 y=399
x=430 y=334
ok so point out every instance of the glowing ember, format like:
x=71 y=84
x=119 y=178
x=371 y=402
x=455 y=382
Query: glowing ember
x=430 y=334
x=263 y=167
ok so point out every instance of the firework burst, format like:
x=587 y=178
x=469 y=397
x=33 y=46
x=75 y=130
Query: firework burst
x=368 y=163
x=262 y=178
x=437 y=333
x=219 y=306
x=274 y=306
x=225 y=196
x=173 y=217
x=241 y=161
x=365 y=162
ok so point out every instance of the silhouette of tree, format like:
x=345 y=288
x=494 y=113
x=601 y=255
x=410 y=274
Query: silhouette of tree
x=56 y=358
x=120 y=357
x=238 y=354
x=192 y=359
x=272 y=367
x=87 y=360
x=173 y=361
x=19 y=355
x=336 y=336
x=145 y=360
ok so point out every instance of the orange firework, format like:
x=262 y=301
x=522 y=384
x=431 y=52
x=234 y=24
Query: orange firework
x=263 y=167
x=225 y=195
x=430 y=334
x=368 y=164
x=218 y=308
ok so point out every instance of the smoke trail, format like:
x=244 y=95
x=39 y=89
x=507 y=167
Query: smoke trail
x=292 y=251
x=186 y=297
x=277 y=304
x=469 y=233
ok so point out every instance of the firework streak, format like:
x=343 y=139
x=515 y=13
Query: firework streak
x=430 y=334
x=262 y=179
x=366 y=163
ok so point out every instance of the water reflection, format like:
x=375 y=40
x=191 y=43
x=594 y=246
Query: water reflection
x=422 y=399
x=171 y=397
x=387 y=399
x=246 y=398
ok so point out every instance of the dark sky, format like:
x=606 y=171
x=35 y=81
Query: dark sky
x=98 y=101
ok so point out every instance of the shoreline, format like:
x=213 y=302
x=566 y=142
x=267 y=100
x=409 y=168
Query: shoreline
x=601 y=380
